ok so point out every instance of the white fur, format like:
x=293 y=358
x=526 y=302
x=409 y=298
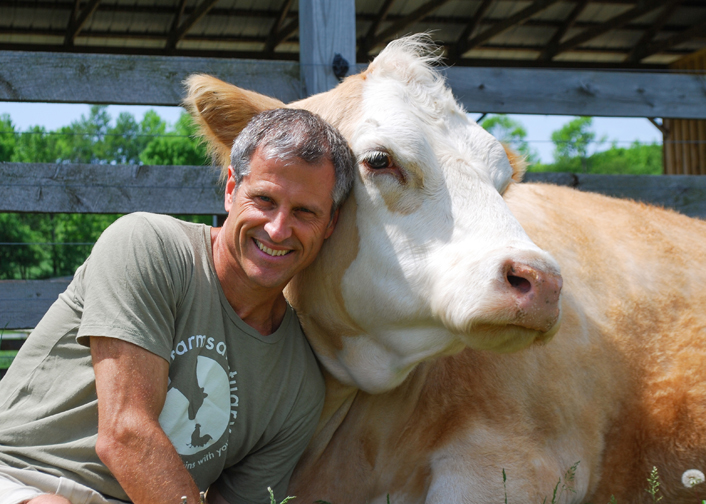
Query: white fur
x=434 y=262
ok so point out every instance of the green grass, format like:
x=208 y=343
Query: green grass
x=6 y=357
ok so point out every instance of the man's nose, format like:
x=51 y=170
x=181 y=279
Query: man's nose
x=278 y=227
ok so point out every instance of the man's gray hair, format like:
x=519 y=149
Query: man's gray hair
x=288 y=134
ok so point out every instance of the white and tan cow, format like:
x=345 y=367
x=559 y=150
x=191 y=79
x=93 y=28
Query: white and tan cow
x=424 y=304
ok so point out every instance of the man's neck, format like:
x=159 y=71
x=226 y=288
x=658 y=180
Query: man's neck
x=262 y=309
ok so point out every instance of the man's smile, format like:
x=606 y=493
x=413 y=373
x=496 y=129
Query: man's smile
x=269 y=251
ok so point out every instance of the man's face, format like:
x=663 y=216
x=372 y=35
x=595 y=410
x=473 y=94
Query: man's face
x=278 y=218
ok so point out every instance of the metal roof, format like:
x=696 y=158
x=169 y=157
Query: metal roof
x=525 y=33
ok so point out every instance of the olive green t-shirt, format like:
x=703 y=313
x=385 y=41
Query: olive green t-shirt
x=240 y=406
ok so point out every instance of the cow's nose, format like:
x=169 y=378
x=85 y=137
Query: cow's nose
x=536 y=294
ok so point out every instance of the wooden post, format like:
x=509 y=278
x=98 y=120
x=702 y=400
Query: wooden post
x=326 y=28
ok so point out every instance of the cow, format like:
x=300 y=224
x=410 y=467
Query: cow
x=483 y=339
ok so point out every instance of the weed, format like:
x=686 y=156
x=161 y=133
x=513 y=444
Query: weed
x=653 y=485
x=504 y=484
x=274 y=501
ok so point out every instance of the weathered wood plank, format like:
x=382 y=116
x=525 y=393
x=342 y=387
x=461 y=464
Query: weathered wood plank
x=684 y=193
x=78 y=188
x=579 y=92
x=326 y=28
x=156 y=80
x=126 y=79
x=24 y=302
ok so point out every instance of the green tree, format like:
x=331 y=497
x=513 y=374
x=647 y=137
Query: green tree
x=44 y=245
x=638 y=159
x=7 y=138
x=176 y=147
x=512 y=133
x=25 y=258
x=571 y=143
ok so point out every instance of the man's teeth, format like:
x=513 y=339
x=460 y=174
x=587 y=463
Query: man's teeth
x=269 y=251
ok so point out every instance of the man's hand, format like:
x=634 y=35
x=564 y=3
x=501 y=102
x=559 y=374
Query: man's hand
x=131 y=384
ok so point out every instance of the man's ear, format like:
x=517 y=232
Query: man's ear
x=221 y=111
x=331 y=224
x=230 y=189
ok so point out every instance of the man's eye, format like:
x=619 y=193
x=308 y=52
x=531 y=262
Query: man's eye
x=378 y=160
x=265 y=199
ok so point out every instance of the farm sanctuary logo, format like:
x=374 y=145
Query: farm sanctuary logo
x=202 y=400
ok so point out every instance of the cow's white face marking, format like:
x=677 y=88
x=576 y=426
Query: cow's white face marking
x=434 y=232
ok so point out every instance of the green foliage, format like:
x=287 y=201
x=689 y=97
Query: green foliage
x=512 y=133
x=573 y=139
x=7 y=138
x=653 y=485
x=45 y=245
x=176 y=147
x=272 y=497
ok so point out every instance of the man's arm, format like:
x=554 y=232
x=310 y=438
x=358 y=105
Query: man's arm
x=131 y=384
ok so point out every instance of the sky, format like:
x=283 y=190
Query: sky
x=539 y=128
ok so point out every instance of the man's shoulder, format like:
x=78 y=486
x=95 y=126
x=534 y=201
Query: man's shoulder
x=156 y=229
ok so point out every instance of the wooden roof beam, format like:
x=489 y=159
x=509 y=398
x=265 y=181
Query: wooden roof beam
x=470 y=29
x=273 y=39
x=649 y=34
x=559 y=34
x=407 y=21
x=76 y=24
x=364 y=44
x=178 y=15
x=661 y=45
x=194 y=18
x=617 y=22
x=514 y=20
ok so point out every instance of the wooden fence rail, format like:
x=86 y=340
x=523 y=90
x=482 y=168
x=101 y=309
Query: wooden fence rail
x=71 y=188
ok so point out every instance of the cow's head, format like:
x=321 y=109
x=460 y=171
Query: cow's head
x=427 y=257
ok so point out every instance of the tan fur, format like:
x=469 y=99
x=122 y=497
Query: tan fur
x=623 y=383
x=518 y=163
x=620 y=388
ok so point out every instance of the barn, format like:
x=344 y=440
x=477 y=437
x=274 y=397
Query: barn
x=633 y=58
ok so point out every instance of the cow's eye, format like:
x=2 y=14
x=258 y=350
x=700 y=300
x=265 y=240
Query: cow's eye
x=378 y=160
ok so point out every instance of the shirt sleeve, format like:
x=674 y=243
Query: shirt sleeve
x=273 y=464
x=130 y=291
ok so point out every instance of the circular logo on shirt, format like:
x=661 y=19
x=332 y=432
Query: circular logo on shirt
x=197 y=409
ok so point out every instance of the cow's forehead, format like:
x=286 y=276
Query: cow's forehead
x=423 y=120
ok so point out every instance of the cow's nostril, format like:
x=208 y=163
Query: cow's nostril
x=521 y=284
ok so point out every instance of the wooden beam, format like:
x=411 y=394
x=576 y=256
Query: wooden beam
x=326 y=28
x=548 y=53
x=273 y=39
x=79 y=188
x=125 y=79
x=578 y=92
x=75 y=25
x=650 y=33
x=514 y=20
x=285 y=32
x=662 y=45
x=407 y=21
x=365 y=42
x=23 y=303
x=470 y=30
x=195 y=17
x=618 y=21
x=177 y=16
x=683 y=193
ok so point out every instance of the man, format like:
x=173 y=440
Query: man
x=198 y=375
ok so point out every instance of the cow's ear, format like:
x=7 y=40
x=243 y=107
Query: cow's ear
x=518 y=163
x=221 y=111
